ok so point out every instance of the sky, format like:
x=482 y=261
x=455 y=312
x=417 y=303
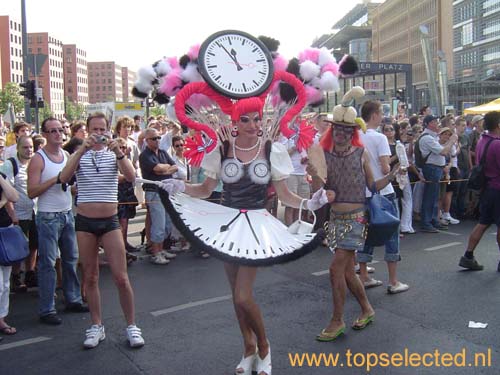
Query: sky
x=135 y=36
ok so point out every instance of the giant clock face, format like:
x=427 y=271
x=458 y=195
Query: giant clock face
x=236 y=64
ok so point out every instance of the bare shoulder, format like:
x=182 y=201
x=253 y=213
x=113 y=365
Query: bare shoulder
x=36 y=163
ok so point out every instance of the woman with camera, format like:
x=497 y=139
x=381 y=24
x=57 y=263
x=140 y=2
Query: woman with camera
x=7 y=194
x=96 y=166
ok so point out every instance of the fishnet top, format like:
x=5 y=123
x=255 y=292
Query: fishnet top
x=346 y=176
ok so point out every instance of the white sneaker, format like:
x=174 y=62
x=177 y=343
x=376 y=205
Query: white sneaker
x=95 y=334
x=450 y=219
x=158 y=259
x=398 y=288
x=134 y=336
x=168 y=255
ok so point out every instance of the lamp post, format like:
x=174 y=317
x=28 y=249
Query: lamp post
x=27 y=109
x=429 y=68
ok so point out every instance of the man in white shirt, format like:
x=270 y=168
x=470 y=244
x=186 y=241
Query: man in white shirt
x=377 y=146
x=434 y=155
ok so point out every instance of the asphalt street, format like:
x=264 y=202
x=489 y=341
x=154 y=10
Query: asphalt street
x=187 y=318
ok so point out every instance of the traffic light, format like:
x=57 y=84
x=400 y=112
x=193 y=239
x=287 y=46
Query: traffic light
x=29 y=91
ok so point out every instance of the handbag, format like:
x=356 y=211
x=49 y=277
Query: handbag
x=477 y=179
x=300 y=226
x=383 y=220
x=13 y=245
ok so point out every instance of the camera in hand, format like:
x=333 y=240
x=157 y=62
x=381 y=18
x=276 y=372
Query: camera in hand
x=100 y=139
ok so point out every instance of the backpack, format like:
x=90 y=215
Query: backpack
x=477 y=179
x=15 y=168
x=419 y=159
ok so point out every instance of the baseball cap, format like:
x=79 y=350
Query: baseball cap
x=477 y=118
x=429 y=118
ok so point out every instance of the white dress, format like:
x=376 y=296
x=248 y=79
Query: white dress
x=248 y=236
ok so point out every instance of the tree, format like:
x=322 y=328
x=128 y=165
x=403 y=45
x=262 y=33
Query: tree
x=74 y=111
x=157 y=110
x=44 y=113
x=10 y=94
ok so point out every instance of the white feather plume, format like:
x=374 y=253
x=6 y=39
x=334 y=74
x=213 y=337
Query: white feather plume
x=325 y=57
x=329 y=82
x=163 y=68
x=147 y=73
x=309 y=70
x=191 y=74
x=143 y=86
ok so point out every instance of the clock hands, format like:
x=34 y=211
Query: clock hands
x=232 y=55
x=225 y=227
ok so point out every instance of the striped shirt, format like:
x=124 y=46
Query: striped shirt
x=97 y=177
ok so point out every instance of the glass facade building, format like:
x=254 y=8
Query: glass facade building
x=476 y=48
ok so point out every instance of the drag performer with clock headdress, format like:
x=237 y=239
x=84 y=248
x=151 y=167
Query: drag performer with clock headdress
x=240 y=150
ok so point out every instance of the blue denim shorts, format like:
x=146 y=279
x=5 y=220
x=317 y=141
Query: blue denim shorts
x=347 y=230
x=161 y=225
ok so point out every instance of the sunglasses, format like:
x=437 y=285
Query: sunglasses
x=247 y=119
x=388 y=129
x=343 y=129
x=123 y=147
x=179 y=145
x=154 y=138
x=54 y=131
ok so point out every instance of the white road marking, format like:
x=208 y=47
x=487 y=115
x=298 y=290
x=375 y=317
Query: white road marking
x=190 y=305
x=450 y=233
x=320 y=273
x=443 y=246
x=24 y=342
x=324 y=272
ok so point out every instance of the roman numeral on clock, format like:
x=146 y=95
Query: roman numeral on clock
x=244 y=87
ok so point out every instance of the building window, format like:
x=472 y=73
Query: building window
x=467 y=34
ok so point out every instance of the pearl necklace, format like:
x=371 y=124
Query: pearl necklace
x=249 y=148
x=259 y=142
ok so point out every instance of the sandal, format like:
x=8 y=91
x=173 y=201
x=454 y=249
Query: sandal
x=360 y=324
x=8 y=330
x=264 y=365
x=325 y=336
x=246 y=365
x=204 y=255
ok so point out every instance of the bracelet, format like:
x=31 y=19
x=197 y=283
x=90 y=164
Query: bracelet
x=58 y=181
x=120 y=157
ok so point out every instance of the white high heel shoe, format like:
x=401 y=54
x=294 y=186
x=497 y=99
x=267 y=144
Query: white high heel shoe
x=247 y=364
x=264 y=365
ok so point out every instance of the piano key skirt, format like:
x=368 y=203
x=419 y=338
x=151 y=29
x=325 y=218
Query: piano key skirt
x=246 y=237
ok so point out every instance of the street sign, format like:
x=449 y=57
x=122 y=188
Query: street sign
x=35 y=63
